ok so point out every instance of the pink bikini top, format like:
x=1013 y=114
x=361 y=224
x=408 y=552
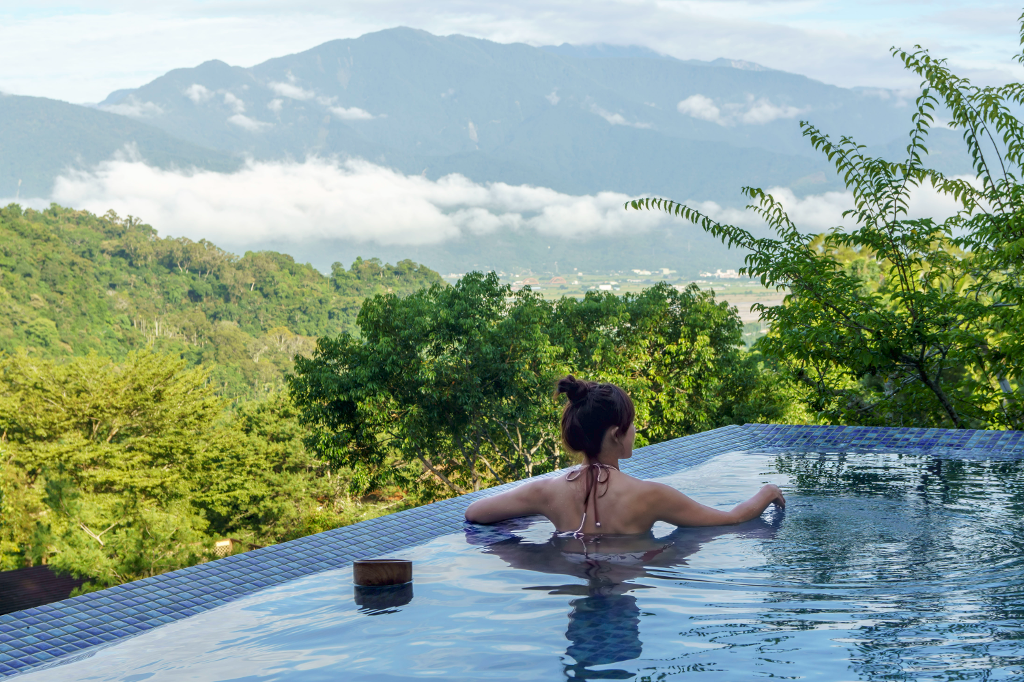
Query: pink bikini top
x=597 y=475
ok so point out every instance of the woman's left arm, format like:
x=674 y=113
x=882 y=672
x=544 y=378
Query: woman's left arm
x=523 y=500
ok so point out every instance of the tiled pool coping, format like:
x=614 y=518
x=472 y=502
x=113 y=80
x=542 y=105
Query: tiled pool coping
x=38 y=636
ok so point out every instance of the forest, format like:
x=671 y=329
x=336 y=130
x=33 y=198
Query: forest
x=158 y=395
x=143 y=410
x=72 y=283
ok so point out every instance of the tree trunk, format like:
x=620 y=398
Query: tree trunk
x=440 y=475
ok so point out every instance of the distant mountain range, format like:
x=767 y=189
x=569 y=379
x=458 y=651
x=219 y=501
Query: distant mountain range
x=579 y=120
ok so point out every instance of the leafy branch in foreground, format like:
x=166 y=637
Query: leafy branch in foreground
x=903 y=320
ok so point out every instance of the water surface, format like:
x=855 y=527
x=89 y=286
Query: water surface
x=883 y=567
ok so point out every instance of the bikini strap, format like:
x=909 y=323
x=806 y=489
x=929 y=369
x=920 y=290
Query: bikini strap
x=594 y=472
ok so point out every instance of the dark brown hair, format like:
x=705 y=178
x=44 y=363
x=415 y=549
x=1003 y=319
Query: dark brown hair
x=592 y=408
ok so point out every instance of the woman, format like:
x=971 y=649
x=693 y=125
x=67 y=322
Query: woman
x=597 y=422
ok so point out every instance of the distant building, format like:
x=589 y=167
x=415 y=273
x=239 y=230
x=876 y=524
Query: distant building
x=722 y=274
x=557 y=280
x=531 y=282
x=604 y=287
x=641 y=272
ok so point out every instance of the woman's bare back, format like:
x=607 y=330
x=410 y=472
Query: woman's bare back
x=616 y=501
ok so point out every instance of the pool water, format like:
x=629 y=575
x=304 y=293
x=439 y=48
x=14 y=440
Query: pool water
x=882 y=567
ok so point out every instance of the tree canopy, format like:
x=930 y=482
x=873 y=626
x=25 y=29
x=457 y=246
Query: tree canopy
x=72 y=283
x=117 y=471
x=449 y=388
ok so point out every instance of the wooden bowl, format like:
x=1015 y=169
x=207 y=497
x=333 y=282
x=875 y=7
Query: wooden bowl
x=380 y=572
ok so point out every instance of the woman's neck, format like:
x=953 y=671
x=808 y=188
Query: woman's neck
x=604 y=460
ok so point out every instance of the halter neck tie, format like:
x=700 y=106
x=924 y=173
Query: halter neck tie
x=597 y=474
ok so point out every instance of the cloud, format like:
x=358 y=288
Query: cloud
x=901 y=97
x=198 y=93
x=291 y=91
x=752 y=111
x=328 y=199
x=553 y=97
x=235 y=103
x=250 y=124
x=763 y=111
x=472 y=132
x=822 y=212
x=275 y=105
x=351 y=113
x=616 y=119
x=699 y=106
x=133 y=108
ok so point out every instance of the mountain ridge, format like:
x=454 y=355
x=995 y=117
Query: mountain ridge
x=579 y=120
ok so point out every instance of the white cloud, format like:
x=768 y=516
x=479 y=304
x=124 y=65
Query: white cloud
x=616 y=119
x=198 y=93
x=325 y=199
x=274 y=202
x=351 y=113
x=472 y=132
x=821 y=212
x=235 y=103
x=291 y=91
x=699 y=106
x=553 y=97
x=763 y=111
x=752 y=111
x=133 y=108
x=250 y=124
x=275 y=105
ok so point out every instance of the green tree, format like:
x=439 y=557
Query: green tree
x=900 y=320
x=104 y=453
x=449 y=388
x=435 y=387
x=673 y=351
x=117 y=471
x=72 y=283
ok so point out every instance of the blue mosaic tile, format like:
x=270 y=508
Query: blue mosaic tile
x=70 y=628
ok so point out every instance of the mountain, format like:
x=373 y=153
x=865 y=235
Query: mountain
x=41 y=138
x=576 y=119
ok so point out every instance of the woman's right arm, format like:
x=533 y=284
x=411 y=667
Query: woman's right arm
x=671 y=506
x=523 y=500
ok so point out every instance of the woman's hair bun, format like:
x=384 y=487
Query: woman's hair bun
x=592 y=409
x=572 y=387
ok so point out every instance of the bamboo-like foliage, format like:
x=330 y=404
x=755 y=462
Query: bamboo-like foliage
x=902 y=320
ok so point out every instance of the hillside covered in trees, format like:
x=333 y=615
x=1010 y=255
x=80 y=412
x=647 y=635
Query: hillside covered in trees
x=142 y=410
x=72 y=283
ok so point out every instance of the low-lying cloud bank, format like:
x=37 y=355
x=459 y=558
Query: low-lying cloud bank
x=354 y=200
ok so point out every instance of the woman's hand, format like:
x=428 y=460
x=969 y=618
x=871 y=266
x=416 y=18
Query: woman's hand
x=775 y=494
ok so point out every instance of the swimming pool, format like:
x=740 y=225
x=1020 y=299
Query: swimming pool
x=883 y=567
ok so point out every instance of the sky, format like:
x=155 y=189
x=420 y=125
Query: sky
x=80 y=52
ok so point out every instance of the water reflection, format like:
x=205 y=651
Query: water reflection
x=379 y=600
x=604 y=621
